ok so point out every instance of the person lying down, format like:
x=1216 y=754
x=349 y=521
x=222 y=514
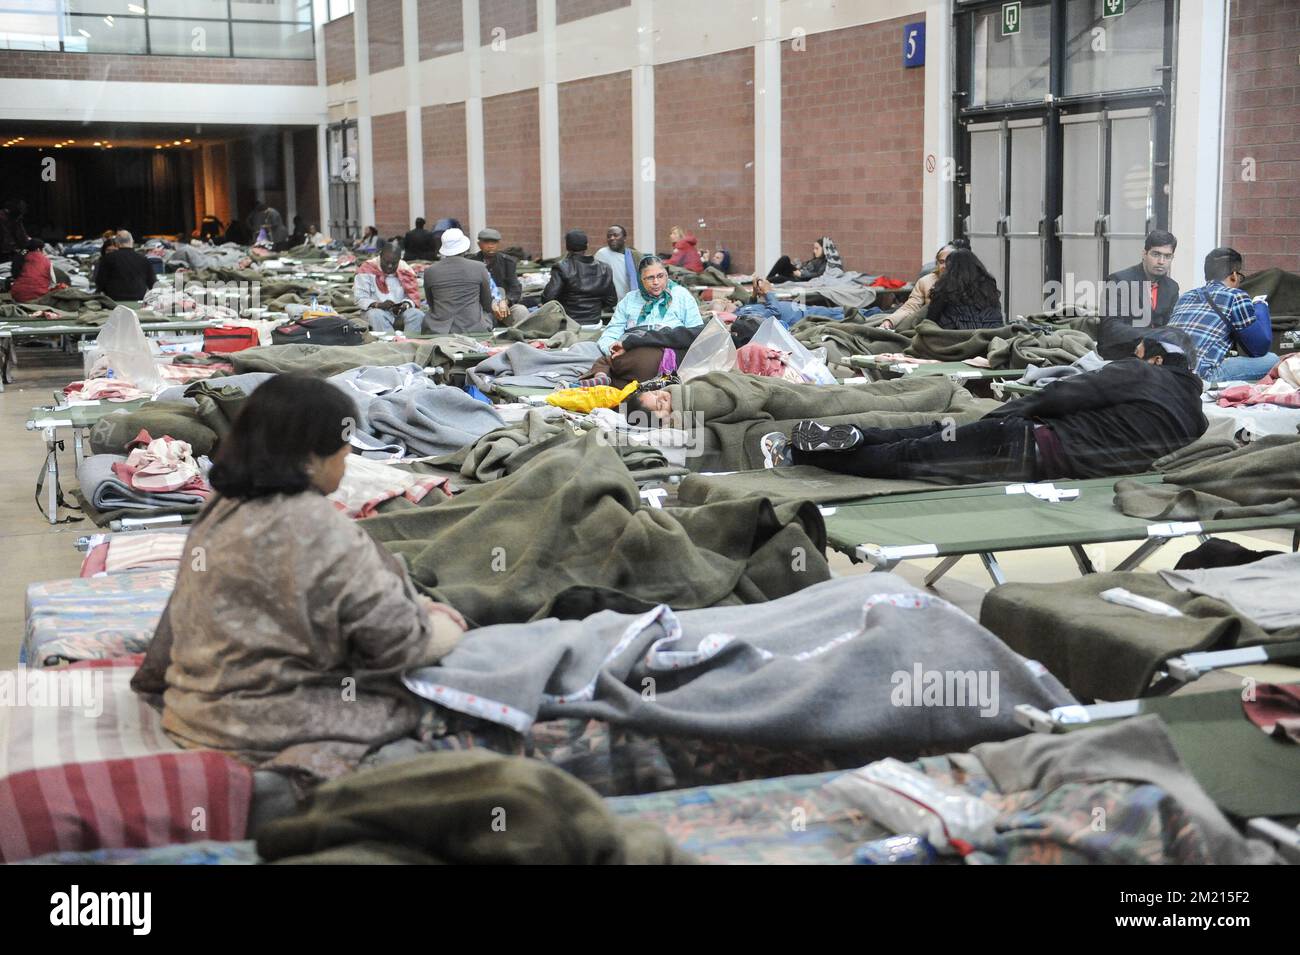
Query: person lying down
x=289 y=628
x=1109 y=422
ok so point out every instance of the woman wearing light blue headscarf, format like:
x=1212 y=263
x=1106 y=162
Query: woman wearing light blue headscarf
x=657 y=302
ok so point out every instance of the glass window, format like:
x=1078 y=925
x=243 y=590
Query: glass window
x=276 y=40
x=189 y=37
x=102 y=7
x=1114 y=53
x=1011 y=69
x=87 y=34
x=198 y=9
x=291 y=11
x=340 y=8
x=36 y=27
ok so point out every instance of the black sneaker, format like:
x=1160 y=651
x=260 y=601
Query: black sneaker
x=814 y=436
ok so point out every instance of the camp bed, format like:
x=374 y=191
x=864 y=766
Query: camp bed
x=956 y=370
x=524 y=393
x=981 y=520
x=1012 y=389
x=1219 y=746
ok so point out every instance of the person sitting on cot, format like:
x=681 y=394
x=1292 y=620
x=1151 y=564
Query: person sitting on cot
x=657 y=302
x=386 y=289
x=825 y=256
x=289 y=627
x=965 y=296
x=1112 y=421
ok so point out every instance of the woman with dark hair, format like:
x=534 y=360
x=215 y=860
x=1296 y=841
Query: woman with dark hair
x=825 y=256
x=369 y=241
x=965 y=295
x=33 y=273
x=657 y=302
x=289 y=628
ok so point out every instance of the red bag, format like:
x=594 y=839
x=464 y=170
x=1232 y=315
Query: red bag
x=228 y=338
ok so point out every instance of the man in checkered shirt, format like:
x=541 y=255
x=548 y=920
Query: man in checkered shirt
x=1219 y=315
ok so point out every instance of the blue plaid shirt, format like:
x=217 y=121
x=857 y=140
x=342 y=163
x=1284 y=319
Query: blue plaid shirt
x=1212 y=336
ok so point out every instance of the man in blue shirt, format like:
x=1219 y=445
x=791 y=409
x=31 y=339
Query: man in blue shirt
x=1219 y=315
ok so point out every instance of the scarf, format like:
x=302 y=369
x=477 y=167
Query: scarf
x=405 y=275
x=660 y=301
x=830 y=253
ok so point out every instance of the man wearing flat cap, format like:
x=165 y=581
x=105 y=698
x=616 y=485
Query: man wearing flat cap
x=499 y=265
x=582 y=285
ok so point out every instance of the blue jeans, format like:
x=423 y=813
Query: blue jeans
x=383 y=321
x=1242 y=368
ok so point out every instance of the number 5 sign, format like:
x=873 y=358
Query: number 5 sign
x=914 y=45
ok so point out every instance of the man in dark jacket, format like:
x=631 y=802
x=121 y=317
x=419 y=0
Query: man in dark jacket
x=499 y=265
x=1139 y=297
x=1112 y=421
x=124 y=275
x=582 y=285
x=419 y=244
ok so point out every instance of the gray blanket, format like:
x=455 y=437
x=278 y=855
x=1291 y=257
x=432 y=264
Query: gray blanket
x=838 y=287
x=429 y=419
x=107 y=492
x=837 y=666
x=524 y=366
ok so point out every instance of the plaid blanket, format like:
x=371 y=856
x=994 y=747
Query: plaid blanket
x=98 y=772
x=91 y=618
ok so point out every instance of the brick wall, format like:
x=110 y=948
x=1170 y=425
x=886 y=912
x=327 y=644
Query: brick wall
x=596 y=154
x=306 y=178
x=442 y=28
x=340 y=51
x=384 y=34
x=29 y=64
x=704 y=151
x=516 y=17
x=566 y=10
x=1261 y=218
x=512 y=170
x=392 y=207
x=446 y=186
x=859 y=182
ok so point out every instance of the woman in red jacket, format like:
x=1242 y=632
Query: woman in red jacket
x=684 y=251
x=34 y=275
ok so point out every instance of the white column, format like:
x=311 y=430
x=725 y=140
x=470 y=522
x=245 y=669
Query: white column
x=365 y=142
x=643 y=130
x=414 y=126
x=1196 y=148
x=548 y=106
x=323 y=178
x=936 y=216
x=474 y=120
x=767 y=134
x=320 y=16
x=290 y=187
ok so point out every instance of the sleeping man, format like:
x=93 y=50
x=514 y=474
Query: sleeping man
x=1112 y=421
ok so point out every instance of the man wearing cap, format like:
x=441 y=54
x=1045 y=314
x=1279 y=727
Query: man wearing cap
x=582 y=285
x=499 y=265
x=458 y=289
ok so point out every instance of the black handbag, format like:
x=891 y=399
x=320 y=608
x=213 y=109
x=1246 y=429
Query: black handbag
x=326 y=330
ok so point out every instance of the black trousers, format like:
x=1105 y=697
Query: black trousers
x=991 y=449
x=783 y=271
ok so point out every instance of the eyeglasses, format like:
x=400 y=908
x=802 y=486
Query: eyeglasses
x=1161 y=256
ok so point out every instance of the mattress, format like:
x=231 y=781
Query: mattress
x=93 y=618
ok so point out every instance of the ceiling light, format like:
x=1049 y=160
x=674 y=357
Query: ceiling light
x=157 y=147
x=97 y=144
x=108 y=20
x=108 y=145
x=176 y=143
x=58 y=145
x=84 y=33
x=188 y=140
x=21 y=138
x=135 y=8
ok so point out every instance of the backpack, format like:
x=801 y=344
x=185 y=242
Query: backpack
x=227 y=338
x=327 y=330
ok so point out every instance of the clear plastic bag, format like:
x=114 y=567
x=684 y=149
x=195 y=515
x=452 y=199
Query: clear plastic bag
x=712 y=351
x=123 y=351
x=811 y=365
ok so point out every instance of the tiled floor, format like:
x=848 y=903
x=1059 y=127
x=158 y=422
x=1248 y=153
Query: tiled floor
x=32 y=550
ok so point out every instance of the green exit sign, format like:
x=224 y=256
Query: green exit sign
x=1112 y=8
x=1010 y=19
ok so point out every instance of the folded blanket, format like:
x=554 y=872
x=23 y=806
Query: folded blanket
x=822 y=669
x=113 y=433
x=366 y=484
x=107 y=492
x=568 y=535
x=1255 y=481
